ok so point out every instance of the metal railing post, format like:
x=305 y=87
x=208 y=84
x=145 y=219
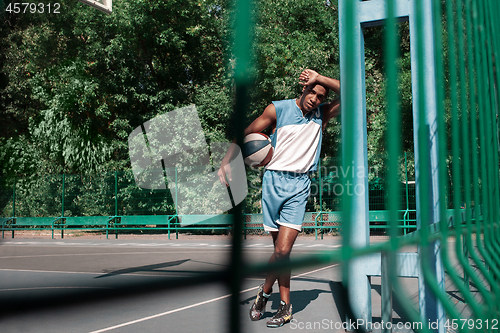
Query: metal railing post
x=62 y=204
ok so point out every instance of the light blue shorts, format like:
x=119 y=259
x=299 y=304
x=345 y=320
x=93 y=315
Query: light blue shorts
x=284 y=199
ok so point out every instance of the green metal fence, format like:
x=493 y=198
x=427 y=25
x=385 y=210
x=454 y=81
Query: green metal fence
x=116 y=195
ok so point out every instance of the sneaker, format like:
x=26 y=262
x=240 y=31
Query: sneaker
x=259 y=306
x=283 y=316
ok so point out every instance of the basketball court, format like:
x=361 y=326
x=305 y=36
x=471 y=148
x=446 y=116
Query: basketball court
x=71 y=269
x=153 y=284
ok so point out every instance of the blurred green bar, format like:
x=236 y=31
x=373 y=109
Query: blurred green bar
x=426 y=191
x=393 y=149
x=242 y=50
x=348 y=101
x=465 y=156
x=456 y=169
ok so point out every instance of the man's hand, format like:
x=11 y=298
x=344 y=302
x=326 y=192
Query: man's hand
x=225 y=169
x=307 y=77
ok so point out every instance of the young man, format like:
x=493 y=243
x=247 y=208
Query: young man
x=296 y=127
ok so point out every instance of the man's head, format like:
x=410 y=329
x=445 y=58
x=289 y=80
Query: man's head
x=312 y=96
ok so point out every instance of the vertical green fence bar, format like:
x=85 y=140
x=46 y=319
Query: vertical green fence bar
x=490 y=124
x=456 y=168
x=432 y=298
x=482 y=78
x=469 y=274
x=393 y=149
x=242 y=51
x=495 y=100
x=14 y=198
x=116 y=192
x=347 y=12
x=473 y=64
x=486 y=128
x=355 y=214
x=392 y=285
x=62 y=200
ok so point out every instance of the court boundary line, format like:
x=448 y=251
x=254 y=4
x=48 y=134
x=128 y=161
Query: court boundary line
x=198 y=304
x=96 y=254
x=88 y=273
x=43 y=288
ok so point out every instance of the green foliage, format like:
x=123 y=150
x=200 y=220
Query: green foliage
x=290 y=37
x=77 y=83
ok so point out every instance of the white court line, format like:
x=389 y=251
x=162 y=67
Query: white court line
x=195 y=305
x=97 y=254
x=39 y=271
x=39 y=288
x=88 y=273
x=253 y=245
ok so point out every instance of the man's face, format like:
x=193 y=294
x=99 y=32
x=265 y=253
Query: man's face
x=312 y=97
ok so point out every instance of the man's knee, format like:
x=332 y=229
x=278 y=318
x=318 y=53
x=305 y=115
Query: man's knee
x=282 y=251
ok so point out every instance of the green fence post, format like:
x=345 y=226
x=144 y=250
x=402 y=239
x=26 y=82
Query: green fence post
x=242 y=50
x=320 y=201
x=355 y=217
x=62 y=204
x=175 y=202
x=407 y=194
x=116 y=204
x=13 y=204
x=14 y=199
x=388 y=271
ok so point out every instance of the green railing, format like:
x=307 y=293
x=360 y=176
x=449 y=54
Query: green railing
x=29 y=203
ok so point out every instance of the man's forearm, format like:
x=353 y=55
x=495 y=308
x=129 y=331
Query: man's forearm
x=332 y=84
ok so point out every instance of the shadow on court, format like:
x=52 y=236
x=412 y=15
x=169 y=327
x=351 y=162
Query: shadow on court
x=302 y=297
x=146 y=268
x=160 y=268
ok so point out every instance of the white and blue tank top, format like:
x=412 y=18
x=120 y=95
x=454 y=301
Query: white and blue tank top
x=297 y=138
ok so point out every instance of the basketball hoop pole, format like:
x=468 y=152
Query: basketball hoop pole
x=106 y=6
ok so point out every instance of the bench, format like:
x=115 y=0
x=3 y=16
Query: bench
x=213 y=219
x=131 y=222
x=312 y=220
x=380 y=219
x=206 y=222
x=5 y=221
x=34 y=223
x=321 y=221
x=87 y=223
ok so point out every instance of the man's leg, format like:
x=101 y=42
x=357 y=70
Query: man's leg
x=283 y=242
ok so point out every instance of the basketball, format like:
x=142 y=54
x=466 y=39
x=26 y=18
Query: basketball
x=257 y=149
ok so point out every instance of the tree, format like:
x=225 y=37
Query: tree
x=78 y=82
